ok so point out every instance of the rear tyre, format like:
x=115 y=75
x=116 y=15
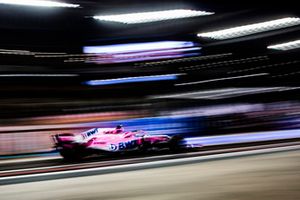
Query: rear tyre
x=174 y=144
x=70 y=155
x=144 y=147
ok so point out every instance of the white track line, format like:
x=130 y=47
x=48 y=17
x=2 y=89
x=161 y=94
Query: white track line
x=93 y=163
x=18 y=160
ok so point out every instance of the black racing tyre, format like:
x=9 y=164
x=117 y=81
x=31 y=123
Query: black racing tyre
x=70 y=155
x=174 y=143
x=144 y=147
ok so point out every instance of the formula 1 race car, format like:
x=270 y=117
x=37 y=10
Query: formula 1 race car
x=111 y=141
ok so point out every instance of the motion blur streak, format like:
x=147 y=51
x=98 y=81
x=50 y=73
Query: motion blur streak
x=41 y=3
x=272 y=176
x=136 y=47
x=133 y=52
x=252 y=28
x=196 y=58
x=243 y=138
x=224 y=93
x=222 y=79
x=286 y=46
x=38 y=75
x=133 y=79
x=144 y=17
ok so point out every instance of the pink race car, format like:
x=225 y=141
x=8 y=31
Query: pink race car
x=111 y=140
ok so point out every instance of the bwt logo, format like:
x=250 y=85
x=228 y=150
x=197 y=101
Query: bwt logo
x=113 y=147
x=92 y=132
x=123 y=145
x=127 y=145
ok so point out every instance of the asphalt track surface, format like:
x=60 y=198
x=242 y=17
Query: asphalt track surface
x=49 y=168
x=56 y=159
x=268 y=173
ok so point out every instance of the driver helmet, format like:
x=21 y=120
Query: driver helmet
x=119 y=129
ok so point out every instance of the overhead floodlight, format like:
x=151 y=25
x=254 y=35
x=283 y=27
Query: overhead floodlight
x=40 y=3
x=144 y=17
x=132 y=79
x=286 y=46
x=251 y=29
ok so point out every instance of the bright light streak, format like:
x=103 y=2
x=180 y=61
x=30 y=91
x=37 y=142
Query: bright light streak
x=38 y=75
x=40 y=3
x=128 y=59
x=14 y=50
x=221 y=93
x=159 y=52
x=194 y=94
x=224 y=93
x=197 y=93
x=132 y=79
x=286 y=46
x=251 y=29
x=145 y=17
x=148 y=55
x=242 y=92
x=245 y=137
x=217 y=110
x=133 y=52
x=117 y=59
x=136 y=47
x=166 y=62
x=264 y=67
x=37 y=54
x=222 y=79
x=50 y=53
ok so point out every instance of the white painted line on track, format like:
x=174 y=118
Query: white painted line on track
x=92 y=163
x=18 y=160
x=159 y=163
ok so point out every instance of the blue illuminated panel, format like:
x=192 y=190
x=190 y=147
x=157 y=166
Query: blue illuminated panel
x=132 y=80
